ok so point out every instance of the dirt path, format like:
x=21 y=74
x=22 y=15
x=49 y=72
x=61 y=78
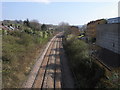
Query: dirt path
x=67 y=77
x=51 y=70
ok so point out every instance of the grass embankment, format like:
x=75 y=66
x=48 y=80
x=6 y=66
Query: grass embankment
x=90 y=74
x=20 y=51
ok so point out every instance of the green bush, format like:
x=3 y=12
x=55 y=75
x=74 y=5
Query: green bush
x=88 y=72
x=28 y=30
x=45 y=34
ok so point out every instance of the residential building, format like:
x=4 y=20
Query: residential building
x=113 y=20
x=91 y=28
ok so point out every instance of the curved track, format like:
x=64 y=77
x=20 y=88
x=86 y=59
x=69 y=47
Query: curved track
x=51 y=68
x=46 y=73
x=49 y=74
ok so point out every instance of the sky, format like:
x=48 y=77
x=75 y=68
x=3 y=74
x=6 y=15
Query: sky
x=75 y=13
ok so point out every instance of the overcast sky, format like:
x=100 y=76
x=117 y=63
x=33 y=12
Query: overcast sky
x=45 y=11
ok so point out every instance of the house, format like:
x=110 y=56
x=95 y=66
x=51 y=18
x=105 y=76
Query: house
x=91 y=28
x=11 y=28
x=74 y=30
x=113 y=20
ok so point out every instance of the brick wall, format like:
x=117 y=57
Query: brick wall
x=108 y=36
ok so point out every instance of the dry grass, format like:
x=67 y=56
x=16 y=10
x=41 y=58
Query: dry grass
x=20 y=52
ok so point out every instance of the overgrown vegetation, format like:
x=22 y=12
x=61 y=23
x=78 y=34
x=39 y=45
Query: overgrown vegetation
x=90 y=74
x=21 y=48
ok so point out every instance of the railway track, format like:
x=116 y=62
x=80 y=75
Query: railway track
x=100 y=61
x=51 y=70
x=49 y=73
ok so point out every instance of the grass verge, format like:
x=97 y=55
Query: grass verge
x=20 y=51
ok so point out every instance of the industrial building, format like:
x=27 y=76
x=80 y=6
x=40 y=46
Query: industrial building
x=108 y=38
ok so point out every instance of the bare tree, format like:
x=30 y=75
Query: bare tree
x=34 y=24
x=63 y=26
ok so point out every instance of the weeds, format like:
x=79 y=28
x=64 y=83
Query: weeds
x=20 y=50
x=87 y=71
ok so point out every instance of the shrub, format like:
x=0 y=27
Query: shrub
x=88 y=72
x=19 y=52
x=28 y=30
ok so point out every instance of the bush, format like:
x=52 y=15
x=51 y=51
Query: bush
x=28 y=30
x=18 y=55
x=88 y=72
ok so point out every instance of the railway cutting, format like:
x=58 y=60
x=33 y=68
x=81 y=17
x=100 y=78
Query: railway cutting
x=48 y=71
